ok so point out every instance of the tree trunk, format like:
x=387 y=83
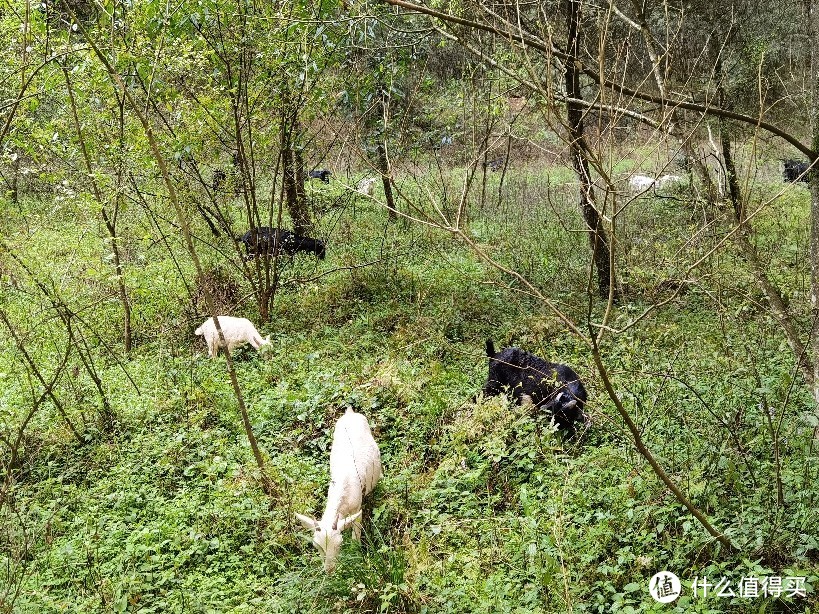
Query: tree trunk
x=122 y=291
x=813 y=181
x=301 y=197
x=601 y=251
x=111 y=224
x=296 y=207
x=382 y=160
x=15 y=180
x=384 y=169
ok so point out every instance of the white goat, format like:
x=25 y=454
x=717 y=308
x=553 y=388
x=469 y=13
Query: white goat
x=666 y=180
x=640 y=183
x=355 y=468
x=365 y=186
x=237 y=331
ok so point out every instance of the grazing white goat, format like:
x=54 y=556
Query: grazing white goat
x=640 y=183
x=365 y=186
x=355 y=468
x=237 y=331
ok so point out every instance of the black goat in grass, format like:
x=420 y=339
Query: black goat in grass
x=266 y=240
x=494 y=165
x=218 y=180
x=323 y=174
x=794 y=170
x=552 y=388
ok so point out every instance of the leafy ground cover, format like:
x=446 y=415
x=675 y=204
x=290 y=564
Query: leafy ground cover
x=482 y=508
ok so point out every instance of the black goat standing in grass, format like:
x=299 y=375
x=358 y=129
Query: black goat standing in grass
x=553 y=388
x=322 y=174
x=794 y=170
x=265 y=240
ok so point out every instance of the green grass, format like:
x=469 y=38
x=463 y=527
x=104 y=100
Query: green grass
x=481 y=508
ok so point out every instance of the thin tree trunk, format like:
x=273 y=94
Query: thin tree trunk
x=84 y=354
x=295 y=207
x=601 y=251
x=15 y=444
x=384 y=169
x=382 y=160
x=111 y=224
x=301 y=197
x=813 y=181
x=15 y=180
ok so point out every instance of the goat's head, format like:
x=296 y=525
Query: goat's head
x=493 y=386
x=327 y=536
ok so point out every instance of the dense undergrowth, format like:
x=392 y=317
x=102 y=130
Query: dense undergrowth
x=482 y=508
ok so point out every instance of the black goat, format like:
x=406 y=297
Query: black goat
x=218 y=180
x=794 y=170
x=265 y=240
x=494 y=165
x=553 y=388
x=322 y=174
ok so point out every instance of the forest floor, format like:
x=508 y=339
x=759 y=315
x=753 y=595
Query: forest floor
x=482 y=508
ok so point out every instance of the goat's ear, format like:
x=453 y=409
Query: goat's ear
x=307 y=522
x=348 y=520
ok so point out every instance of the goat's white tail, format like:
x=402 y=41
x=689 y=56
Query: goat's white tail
x=199 y=331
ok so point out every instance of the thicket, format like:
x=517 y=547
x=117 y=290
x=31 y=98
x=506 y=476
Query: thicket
x=138 y=141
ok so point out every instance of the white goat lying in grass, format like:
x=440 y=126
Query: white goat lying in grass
x=355 y=468
x=237 y=331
